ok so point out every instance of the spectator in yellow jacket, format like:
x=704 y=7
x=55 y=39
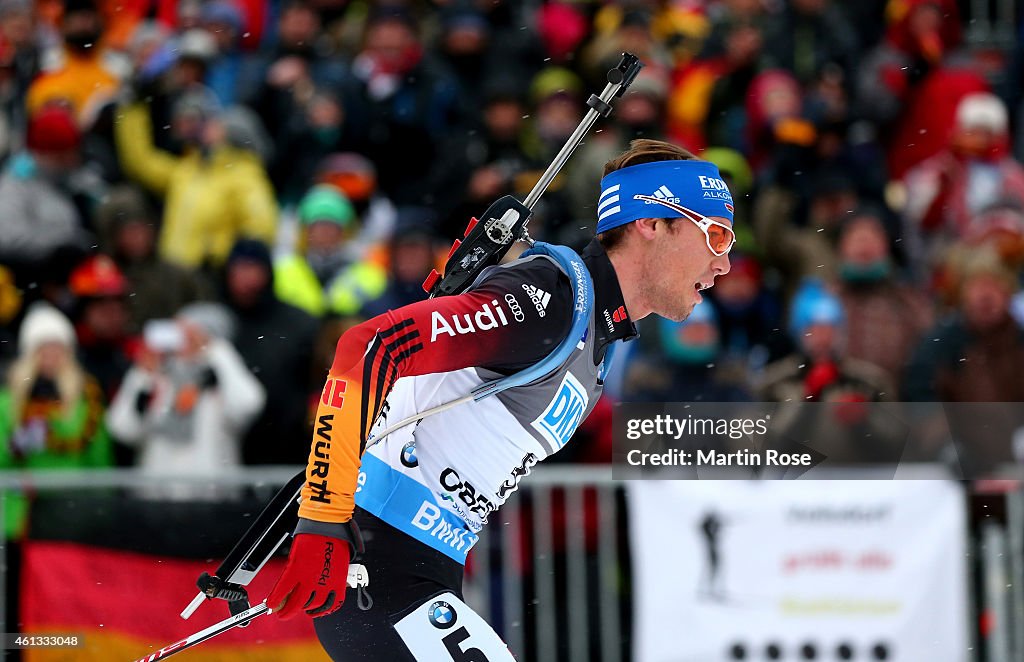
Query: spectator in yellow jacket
x=214 y=194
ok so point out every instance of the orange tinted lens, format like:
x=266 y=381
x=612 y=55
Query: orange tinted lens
x=720 y=238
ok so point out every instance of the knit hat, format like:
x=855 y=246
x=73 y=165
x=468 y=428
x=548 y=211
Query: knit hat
x=199 y=101
x=121 y=206
x=213 y=318
x=44 y=324
x=414 y=224
x=351 y=173
x=252 y=250
x=982 y=110
x=52 y=128
x=244 y=130
x=561 y=28
x=197 y=44
x=552 y=82
x=813 y=304
x=223 y=13
x=650 y=83
x=464 y=17
x=326 y=203
x=986 y=262
x=98 y=277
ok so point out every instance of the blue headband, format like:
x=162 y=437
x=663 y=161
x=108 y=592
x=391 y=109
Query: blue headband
x=674 y=187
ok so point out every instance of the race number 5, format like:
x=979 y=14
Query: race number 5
x=452 y=643
x=445 y=628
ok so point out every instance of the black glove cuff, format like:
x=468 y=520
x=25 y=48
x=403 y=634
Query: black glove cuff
x=347 y=531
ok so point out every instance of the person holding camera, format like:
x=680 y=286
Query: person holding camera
x=189 y=398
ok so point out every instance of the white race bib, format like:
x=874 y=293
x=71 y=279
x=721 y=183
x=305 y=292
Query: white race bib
x=445 y=628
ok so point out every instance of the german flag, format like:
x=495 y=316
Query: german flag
x=117 y=571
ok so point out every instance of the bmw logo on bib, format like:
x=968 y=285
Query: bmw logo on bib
x=441 y=615
x=409 y=455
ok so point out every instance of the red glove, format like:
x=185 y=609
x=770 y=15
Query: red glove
x=850 y=409
x=315 y=577
x=818 y=378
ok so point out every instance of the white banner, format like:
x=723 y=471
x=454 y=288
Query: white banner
x=799 y=570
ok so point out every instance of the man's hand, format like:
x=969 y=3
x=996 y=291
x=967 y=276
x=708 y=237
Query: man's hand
x=314 y=578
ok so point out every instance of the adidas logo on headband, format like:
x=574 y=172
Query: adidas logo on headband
x=663 y=194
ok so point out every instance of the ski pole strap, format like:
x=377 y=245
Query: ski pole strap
x=583 y=296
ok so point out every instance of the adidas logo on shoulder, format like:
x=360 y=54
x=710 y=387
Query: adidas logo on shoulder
x=539 y=297
x=663 y=193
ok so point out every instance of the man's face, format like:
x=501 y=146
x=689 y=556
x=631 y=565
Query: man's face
x=324 y=237
x=188 y=127
x=863 y=242
x=828 y=209
x=557 y=118
x=639 y=110
x=743 y=44
x=298 y=27
x=82 y=29
x=135 y=240
x=224 y=34
x=390 y=43
x=504 y=118
x=189 y=71
x=820 y=340
x=58 y=164
x=975 y=141
x=107 y=317
x=738 y=290
x=985 y=301
x=411 y=261
x=247 y=279
x=679 y=265
x=52 y=358
x=16 y=26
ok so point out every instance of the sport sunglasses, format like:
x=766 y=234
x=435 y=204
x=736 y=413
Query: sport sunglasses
x=719 y=236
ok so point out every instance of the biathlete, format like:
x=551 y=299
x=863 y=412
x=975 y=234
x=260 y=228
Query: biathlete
x=414 y=503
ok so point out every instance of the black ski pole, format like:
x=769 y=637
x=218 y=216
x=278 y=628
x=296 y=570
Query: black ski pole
x=273 y=526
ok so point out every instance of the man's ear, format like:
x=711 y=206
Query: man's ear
x=646 y=226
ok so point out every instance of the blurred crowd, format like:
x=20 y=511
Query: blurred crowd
x=199 y=196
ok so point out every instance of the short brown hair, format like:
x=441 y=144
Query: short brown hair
x=643 y=150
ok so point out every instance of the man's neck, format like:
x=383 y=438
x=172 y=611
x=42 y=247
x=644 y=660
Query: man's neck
x=629 y=272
